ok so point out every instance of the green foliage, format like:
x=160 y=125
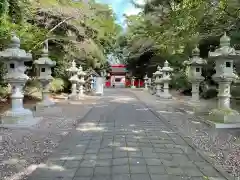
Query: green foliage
x=180 y=81
x=84 y=31
x=171 y=29
x=4 y=91
x=57 y=85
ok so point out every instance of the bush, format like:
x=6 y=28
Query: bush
x=180 y=82
x=209 y=93
x=5 y=91
x=57 y=85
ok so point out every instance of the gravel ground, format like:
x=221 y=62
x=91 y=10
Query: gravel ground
x=222 y=146
x=23 y=147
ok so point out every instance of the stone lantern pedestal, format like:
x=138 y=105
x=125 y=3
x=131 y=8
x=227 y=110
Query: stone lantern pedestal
x=14 y=58
x=44 y=65
x=132 y=82
x=81 y=82
x=224 y=76
x=166 y=70
x=196 y=63
x=99 y=86
x=146 y=82
x=91 y=79
x=158 y=81
x=74 y=80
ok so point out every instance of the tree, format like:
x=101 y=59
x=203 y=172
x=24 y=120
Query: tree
x=84 y=31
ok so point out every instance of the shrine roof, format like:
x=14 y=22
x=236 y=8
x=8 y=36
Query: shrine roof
x=118 y=66
x=118 y=70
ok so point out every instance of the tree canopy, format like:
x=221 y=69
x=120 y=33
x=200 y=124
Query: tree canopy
x=82 y=30
x=170 y=29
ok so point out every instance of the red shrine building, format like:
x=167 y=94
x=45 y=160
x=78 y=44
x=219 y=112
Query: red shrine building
x=117 y=76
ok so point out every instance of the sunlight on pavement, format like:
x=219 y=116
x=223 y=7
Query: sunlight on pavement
x=128 y=149
x=52 y=167
x=168 y=132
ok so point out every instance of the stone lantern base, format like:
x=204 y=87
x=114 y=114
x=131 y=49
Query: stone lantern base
x=46 y=104
x=166 y=96
x=99 y=86
x=73 y=97
x=18 y=118
x=228 y=118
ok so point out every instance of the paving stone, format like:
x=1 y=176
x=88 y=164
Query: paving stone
x=120 y=154
x=90 y=157
x=138 y=169
x=120 y=161
x=102 y=171
x=71 y=164
x=195 y=157
x=124 y=169
x=105 y=155
x=135 y=154
x=192 y=172
x=174 y=171
x=137 y=161
x=105 y=150
x=180 y=157
x=153 y=162
x=88 y=163
x=165 y=156
x=84 y=172
x=101 y=177
x=121 y=177
x=156 y=169
x=140 y=177
x=80 y=178
x=159 y=177
x=107 y=162
x=150 y=154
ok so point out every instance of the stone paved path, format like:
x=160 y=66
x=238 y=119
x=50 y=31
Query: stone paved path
x=122 y=140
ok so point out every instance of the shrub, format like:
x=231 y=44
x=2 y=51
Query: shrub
x=180 y=81
x=5 y=91
x=57 y=85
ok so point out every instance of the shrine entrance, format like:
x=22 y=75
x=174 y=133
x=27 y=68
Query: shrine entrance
x=117 y=76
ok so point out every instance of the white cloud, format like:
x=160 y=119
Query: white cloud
x=132 y=11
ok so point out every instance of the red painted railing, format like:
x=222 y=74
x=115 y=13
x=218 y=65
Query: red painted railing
x=128 y=83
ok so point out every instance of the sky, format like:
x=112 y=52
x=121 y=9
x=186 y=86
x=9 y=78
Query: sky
x=121 y=7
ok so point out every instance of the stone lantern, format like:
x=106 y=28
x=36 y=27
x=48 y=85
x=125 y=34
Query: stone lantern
x=196 y=63
x=132 y=82
x=13 y=57
x=224 y=76
x=146 y=82
x=91 y=79
x=81 y=81
x=166 y=70
x=44 y=65
x=74 y=80
x=158 y=81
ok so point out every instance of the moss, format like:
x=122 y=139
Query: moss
x=217 y=115
x=225 y=111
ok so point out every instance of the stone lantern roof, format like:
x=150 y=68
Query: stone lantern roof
x=225 y=51
x=196 y=60
x=146 y=77
x=81 y=72
x=73 y=68
x=74 y=78
x=166 y=68
x=13 y=52
x=158 y=72
x=45 y=60
x=225 y=40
